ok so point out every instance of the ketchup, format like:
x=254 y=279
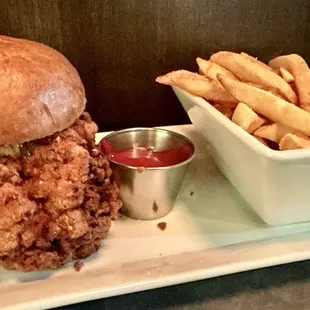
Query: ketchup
x=143 y=157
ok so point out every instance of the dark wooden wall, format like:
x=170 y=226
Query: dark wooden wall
x=119 y=47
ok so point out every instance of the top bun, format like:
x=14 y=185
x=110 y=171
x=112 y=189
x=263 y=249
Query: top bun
x=41 y=93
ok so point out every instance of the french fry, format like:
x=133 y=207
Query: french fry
x=231 y=105
x=293 y=142
x=246 y=118
x=286 y=75
x=271 y=90
x=274 y=132
x=250 y=71
x=197 y=85
x=203 y=65
x=262 y=99
x=298 y=67
x=211 y=69
x=268 y=105
x=225 y=109
x=253 y=59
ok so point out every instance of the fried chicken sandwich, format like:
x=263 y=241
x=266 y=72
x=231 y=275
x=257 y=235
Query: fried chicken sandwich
x=56 y=196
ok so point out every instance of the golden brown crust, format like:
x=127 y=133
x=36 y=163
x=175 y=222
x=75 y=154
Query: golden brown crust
x=41 y=92
x=56 y=203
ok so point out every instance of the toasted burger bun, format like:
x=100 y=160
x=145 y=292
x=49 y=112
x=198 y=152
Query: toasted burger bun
x=41 y=92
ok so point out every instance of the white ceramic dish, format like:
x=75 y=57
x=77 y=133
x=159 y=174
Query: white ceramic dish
x=276 y=184
x=210 y=232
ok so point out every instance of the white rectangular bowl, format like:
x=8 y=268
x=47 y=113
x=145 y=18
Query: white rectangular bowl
x=275 y=183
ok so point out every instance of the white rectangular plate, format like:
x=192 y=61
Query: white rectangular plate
x=210 y=232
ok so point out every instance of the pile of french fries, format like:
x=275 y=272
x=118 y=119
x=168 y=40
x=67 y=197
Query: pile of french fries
x=270 y=102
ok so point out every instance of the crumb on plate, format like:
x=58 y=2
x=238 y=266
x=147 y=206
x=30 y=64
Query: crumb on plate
x=78 y=266
x=162 y=225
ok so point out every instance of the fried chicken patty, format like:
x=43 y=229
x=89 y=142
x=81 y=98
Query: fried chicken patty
x=56 y=199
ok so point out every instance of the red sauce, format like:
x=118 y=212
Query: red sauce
x=143 y=157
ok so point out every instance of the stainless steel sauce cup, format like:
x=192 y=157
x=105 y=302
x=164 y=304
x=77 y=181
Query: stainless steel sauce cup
x=148 y=193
